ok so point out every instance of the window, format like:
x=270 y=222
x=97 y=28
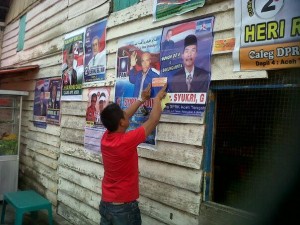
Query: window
x=249 y=137
x=21 y=37
x=123 y=4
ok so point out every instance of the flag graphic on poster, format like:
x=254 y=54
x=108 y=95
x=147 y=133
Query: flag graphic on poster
x=95 y=52
x=185 y=61
x=267 y=35
x=163 y=9
x=138 y=63
x=73 y=64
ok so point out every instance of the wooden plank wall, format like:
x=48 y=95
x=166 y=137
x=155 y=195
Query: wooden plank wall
x=54 y=161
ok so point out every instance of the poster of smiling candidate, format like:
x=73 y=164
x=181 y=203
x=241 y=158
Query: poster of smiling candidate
x=95 y=52
x=185 y=61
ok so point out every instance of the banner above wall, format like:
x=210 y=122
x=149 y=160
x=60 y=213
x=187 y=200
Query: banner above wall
x=267 y=34
x=163 y=9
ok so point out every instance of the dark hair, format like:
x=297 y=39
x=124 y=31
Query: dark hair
x=94 y=95
x=111 y=116
x=168 y=31
x=42 y=89
x=190 y=40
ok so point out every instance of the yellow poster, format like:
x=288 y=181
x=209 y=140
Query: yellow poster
x=267 y=34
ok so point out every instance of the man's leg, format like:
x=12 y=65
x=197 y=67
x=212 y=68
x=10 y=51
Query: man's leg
x=105 y=216
x=127 y=214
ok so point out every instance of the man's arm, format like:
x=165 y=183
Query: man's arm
x=145 y=96
x=155 y=114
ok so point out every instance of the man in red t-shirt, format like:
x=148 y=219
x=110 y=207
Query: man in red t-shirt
x=120 y=184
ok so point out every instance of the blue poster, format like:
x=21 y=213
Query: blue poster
x=40 y=107
x=185 y=61
x=95 y=52
x=138 y=63
x=53 y=111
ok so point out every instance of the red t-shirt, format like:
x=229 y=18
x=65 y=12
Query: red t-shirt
x=120 y=159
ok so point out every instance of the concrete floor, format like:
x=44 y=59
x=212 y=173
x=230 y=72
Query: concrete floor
x=42 y=218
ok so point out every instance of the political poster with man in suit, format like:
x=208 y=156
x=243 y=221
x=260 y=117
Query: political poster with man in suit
x=185 y=62
x=41 y=96
x=95 y=52
x=72 y=67
x=138 y=63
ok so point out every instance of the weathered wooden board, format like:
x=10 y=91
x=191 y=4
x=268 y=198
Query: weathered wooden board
x=46 y=61
x=177 y=176
x=11 y=34
x=71 y=135
x=44 y=181
x=218 y=10
x=46 y=12
x=182 y=119
x=20 y=86
x=73 y=216
x=44 y=149
x=166 y=214
x=88 y=168
x=147 y=220
x=73 y=108
x=54 y=21
x=181 y=133
x=79 y=207
x=82 y=194
x=10 y=41
x=9 y=53
x=44 y=138
x=179 y=154
x=82 y=7
x=12 y=46
x=11 y=26
x=222 y=69
x=52 y=163
x=51 y=129
x=87 y=18
x=48 y=35
x=41 y=50
x=73 y=122
x=40 y=8
x=170 y=195
x=80 y=179
x=27 y=106
x=39 y=167
x=79 y=151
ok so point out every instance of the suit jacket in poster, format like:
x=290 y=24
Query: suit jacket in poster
x=136 y=79
x=200 y=82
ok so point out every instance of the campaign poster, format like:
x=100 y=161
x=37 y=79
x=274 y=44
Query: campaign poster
x=185 y=61
x=98 y=99
x=73 y=64
x=95 y=52
x=138 y=63
x=53 y=111
x=92 y=139
x=163 y=9
x=41 y=97
x=267 y=35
